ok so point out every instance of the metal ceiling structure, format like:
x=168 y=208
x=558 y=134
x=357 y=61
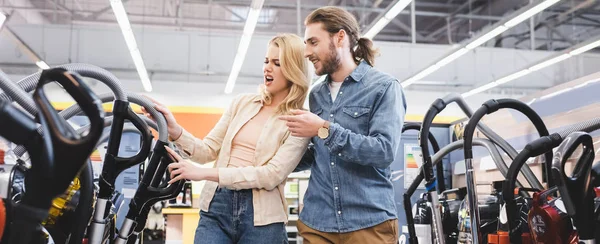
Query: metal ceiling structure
x=435 y=21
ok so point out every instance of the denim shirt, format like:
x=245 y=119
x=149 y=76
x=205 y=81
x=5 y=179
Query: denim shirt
x=350 y=186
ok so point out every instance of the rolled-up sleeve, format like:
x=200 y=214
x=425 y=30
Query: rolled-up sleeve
x=206 y=150
x=269 y=175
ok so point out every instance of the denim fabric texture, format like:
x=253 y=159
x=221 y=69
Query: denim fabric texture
x=230 y=219
x=350 y=186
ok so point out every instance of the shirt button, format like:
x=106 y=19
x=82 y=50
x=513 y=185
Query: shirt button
x=332 y=163
x=331 y=115
x=339 y=154
x=339 y=212
x=340 y=93
x=336 y=188
x=355 y=113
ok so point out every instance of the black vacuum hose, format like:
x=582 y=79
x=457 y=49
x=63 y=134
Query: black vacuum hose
x=410 y=222
x=489 y=107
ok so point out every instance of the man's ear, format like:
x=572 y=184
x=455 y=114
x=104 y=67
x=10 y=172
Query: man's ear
x=341 y=35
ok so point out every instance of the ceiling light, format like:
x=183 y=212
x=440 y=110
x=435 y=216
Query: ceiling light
x=249 y=27
x=387 y=17
x=42 y=64
x=497 y=29
x=566 y=54
x=124 y=24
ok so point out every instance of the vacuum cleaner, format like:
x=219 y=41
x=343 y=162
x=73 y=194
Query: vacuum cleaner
x=542 y=145
x=576 y=190
x=427 y=170
x=450 y=200
x=68 y=154
x=489 y=107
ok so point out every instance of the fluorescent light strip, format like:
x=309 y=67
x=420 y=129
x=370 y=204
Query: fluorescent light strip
x=529 y=13
x=452 y=57
x=549 y=62
x=389 y=16
x=488 y=36
x=124 y=24
x=376 y=28
x=421 y=75
x=576 y=50
x=2 y=19
x=482 y=39
x=513 y=76
x=42 y=64
x=585 y=48
x=480 y=89
x=249 y=27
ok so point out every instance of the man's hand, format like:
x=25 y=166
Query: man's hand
x=303 y=123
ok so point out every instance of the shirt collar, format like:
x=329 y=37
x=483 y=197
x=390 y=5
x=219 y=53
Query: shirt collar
x=357 y=74
x=257 y=99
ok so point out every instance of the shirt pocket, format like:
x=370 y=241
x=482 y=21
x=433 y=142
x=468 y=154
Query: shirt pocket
x=357 y=118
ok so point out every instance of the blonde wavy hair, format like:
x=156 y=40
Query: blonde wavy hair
x=295 y=70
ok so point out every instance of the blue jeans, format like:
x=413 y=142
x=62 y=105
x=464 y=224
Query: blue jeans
x=230 y=219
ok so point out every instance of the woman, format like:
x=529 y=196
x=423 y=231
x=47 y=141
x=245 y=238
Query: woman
x=243 y=200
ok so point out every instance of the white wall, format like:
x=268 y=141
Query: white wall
x=176 y=61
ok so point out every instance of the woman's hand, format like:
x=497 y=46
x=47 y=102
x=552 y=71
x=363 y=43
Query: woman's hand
x=173 y=127
x=183 y=169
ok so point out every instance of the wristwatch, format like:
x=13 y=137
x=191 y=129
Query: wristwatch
x=323 y=132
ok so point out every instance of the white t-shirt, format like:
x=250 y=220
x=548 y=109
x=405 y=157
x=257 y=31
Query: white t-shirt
x=334 y=88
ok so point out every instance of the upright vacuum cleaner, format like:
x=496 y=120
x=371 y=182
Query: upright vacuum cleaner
x=540 y=207
x=422 y=208
x=489 y=107
x=576 y=189
x=68 y=153
x=427 y=170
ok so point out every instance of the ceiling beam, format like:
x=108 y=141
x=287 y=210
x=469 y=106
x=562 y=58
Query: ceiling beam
x=496 y=9
x=30 y=15
x=97 y=13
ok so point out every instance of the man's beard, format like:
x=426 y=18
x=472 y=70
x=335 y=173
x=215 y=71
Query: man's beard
x=331 y=63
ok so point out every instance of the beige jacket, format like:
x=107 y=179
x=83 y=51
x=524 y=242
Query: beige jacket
x=277 y=154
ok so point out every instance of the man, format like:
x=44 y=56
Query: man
x=355 y=125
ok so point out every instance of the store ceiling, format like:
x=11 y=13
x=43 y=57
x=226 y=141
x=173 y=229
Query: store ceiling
x=437 y=21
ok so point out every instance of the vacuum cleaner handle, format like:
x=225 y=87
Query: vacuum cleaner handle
x=113 y=164
x=148 y=192
x=146 y=140
x=576 y=190
x=141 y=219
x=412 y=236
x=69 y=153
x=596 y=175
x=489 y=107
x=18 y=127
x=70 y=150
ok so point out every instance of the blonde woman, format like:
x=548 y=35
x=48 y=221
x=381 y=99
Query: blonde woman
x=243 y=200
